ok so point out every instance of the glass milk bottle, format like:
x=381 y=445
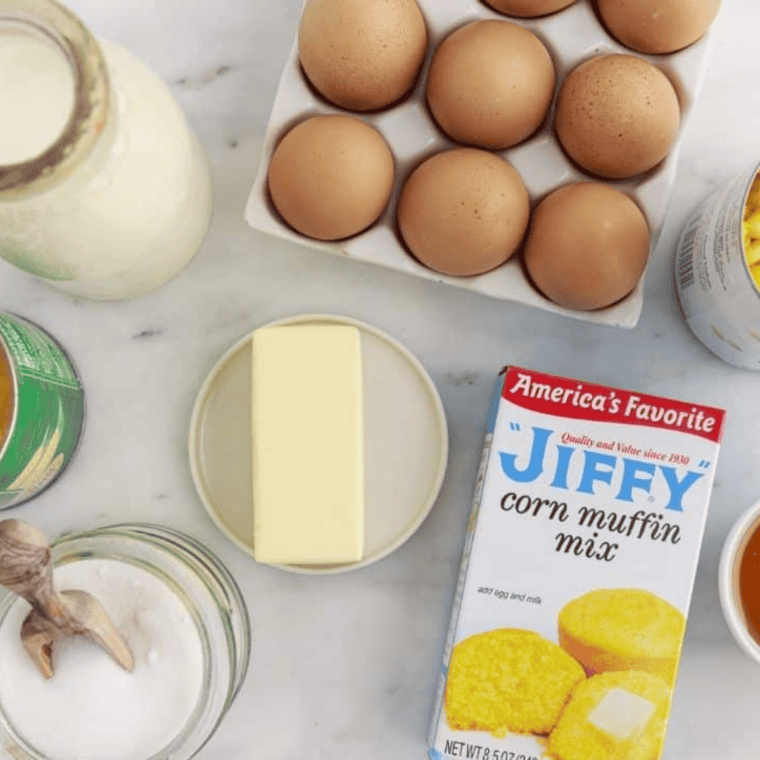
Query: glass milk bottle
x=105 y=192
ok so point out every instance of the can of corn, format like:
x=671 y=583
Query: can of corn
x=41 y=410
x=717 y=271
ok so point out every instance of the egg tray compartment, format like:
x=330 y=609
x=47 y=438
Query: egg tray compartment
x=571 y=36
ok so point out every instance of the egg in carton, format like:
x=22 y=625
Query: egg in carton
x=571 y=36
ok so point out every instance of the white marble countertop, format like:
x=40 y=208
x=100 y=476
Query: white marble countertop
x=346 y=666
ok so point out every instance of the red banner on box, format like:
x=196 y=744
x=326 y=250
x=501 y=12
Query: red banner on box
x=564 y=397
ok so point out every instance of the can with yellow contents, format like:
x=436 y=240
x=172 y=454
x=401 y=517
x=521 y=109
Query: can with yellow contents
x=717 y=272
x=41 y=410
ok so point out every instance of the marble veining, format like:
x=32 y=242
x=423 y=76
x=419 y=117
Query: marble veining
x=206 y=78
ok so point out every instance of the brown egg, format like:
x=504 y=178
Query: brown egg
x=529 y=8
x=463 y=212
x=362 y=54
x=587 y=246
x=658 y=26
x=617 y=115
x=490 y=84
x=330 y=177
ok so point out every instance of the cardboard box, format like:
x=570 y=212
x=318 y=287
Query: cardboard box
x=577 y=573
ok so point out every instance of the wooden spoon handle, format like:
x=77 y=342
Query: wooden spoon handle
x=26 y=568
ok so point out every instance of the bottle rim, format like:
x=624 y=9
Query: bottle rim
x=54 y=23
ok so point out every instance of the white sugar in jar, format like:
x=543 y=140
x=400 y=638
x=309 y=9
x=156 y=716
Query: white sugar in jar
x=186 y=623
x=97 y=704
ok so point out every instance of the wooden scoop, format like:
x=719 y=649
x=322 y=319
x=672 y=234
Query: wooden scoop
x=26 y=568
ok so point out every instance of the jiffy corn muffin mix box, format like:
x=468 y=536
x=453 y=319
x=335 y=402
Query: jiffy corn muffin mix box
x=577 y=573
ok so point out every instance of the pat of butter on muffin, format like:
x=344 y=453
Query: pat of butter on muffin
x=621 y=714
x=613 y=716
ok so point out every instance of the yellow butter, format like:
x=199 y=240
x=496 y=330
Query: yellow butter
x=308 y=462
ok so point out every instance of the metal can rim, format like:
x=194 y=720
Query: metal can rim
x=11 y=429
x=739 y=232
x=14 y=380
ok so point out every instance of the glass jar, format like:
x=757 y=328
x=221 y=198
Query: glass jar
x=105 y=192
x=210 y=595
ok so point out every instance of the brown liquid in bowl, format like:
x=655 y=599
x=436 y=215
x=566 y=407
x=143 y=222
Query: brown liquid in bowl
x=6 y=396
x=749 y=581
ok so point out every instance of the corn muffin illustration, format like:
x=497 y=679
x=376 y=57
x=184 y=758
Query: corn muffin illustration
x=623 y=629
x=613 y=716
x=508 y=680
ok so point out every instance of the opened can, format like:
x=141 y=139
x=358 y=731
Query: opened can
x=716 y=290
x=41 y=410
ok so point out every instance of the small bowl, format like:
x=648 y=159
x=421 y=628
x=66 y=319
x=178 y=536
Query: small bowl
x=207 y=590
x=728 y=580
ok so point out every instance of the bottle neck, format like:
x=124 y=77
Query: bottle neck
x=50 y=21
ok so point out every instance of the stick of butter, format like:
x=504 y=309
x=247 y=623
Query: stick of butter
x=308 y=453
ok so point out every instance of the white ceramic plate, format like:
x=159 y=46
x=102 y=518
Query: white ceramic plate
x=406 y=443
x=571 y=36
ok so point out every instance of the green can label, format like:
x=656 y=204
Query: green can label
x=48 y=411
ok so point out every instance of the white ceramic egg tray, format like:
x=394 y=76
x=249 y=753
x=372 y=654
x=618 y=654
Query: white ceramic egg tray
x=571 y=36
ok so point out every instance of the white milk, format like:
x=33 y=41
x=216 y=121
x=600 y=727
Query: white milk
x=38 y=87
x=135 y=212
x=91 y=709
